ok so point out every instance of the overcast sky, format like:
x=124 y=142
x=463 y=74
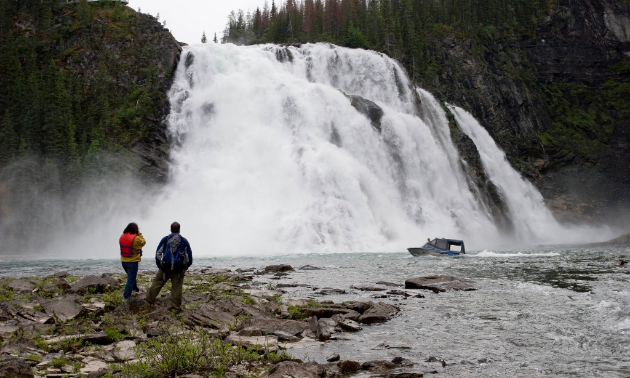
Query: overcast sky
x=188 y=19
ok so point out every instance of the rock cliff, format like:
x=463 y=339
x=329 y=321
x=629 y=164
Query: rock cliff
x=557 y=103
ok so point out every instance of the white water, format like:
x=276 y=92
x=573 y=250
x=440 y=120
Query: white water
x=534 y=222
x=273 y=158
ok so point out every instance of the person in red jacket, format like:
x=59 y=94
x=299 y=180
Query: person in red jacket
x=131 y=243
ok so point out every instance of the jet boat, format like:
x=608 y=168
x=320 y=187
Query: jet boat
x=439 y=247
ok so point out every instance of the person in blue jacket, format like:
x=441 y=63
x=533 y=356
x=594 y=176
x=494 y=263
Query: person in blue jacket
x=173 y=258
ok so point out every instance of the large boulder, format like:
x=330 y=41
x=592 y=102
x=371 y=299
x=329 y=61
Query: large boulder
x=20 y=285
x=94 y=284
x=278 y=268
x=378 y=365
x=349 y=367
x=378 y=313
x=439 y=284
x=36 y=316
x=271 y=326
x=238 y=308
x=64 y=309
x=292 y=369
x=324 y=312
x=367 y=288
x=14 y=368
x=7 y=331
x=357 y=306
x=100 y=338
x=369 y=109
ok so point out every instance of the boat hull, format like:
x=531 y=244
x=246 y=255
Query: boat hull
x=431 y=252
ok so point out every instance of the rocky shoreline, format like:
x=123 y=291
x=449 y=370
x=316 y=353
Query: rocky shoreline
x=233 y=325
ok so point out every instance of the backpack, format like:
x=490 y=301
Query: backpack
x=172 y=254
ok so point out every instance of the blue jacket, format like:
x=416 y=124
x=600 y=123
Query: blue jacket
x=179 y=242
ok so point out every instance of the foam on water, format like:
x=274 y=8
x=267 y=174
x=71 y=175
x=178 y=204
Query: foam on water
x=507 y=254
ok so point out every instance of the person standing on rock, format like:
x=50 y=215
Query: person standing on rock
x=173 y=258
x=131 y=243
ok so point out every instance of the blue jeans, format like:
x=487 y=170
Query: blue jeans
x=131 y=268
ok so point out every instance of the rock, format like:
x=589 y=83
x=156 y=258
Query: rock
x=14 y=368
x=390 y=284
x=402 y=361
x=323 y=312
x=349 y=367
x=404 y=375
x=378 y=365
x=264 y=294
x=350 y=325
x=7 y=311
x=378 y=313
x=250 y=331
x=62 y=274
x=367 y=288
x=138 y=306
x=292 y=369
x=333 y=358
x=269 y=343
x=238 y=308
x=216 y=272
x=271 y=326
x=99 y=373
x=359 y=307
x=309 y=334
x=93 y=365
x=124 y=351
x=438 y=284
x=36 y=316
x=283 y=336
x=17 y=346
x=7 y=331
x=191 y=376
x=93 y=284
x=278 y=268
x=399 y=292
x=330 y=291
x=369 y=109
x=100 y=338
x=309 y=267
x=349 y=314
x=312 y=323
x=64 y=310
x=20 y=285
x=210 y=316
x=325 y=328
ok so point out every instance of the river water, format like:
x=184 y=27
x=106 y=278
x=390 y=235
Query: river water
x=547 y=312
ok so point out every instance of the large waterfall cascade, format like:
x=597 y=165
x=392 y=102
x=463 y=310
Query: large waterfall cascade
x=270 y=157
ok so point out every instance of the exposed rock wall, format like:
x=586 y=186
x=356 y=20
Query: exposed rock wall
x=512 y=88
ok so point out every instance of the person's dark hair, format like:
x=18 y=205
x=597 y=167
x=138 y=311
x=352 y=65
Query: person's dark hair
x=175 y=228
x=132 y=228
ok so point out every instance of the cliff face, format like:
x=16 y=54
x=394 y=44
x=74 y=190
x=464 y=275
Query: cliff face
x=557 y=104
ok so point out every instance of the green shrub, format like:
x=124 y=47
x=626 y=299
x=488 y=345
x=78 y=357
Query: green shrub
x=59 y=362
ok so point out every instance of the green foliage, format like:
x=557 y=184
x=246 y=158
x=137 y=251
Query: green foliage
x=114 y=298
x=6 y=294
x=59 y=362
x=114 y=333
x=188 y=353
x=38 y=308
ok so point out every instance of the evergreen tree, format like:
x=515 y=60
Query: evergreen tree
x=203 y=38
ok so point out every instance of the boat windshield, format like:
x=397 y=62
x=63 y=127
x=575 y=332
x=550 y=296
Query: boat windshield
x=441 y=244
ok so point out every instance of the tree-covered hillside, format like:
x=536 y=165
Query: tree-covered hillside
x=83 y=91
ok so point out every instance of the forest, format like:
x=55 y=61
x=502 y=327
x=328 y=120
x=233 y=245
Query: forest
x=399 y=28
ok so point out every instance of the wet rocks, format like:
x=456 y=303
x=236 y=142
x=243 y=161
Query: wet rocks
x=367 y=288
x=64 y=310
x=330 y=291
x=378 y=313
x=359 y=307
x=250 y=332
x=282 y=268
x=94 y=284
x=20 y=285
x=325 y=328
x=36 y=316
x=324 y=312
x=61 y=274
x=369 y=109
x=211 y=317
x=15 y=368
x=264 y=294
x=333 y=358
x=309 y=267
x=349 y=325
x=378 y=365
x=18 y=345
x=349 y=367
x=284 y=336
x=292 y=369
x=439 y=283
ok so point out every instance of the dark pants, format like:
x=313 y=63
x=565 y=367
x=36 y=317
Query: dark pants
x=131 y=268
x=177 y=283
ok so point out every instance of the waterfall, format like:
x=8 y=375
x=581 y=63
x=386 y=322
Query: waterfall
x=319 y=149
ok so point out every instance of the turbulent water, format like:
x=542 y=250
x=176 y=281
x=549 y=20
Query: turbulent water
x=556 y=312
x=271 y=157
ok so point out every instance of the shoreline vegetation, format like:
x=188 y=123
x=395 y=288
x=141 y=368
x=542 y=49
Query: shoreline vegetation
x=232 y=326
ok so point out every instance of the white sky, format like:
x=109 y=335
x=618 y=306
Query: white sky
x=188 y=19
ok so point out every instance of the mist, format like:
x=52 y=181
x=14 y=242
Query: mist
x=270 y=156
